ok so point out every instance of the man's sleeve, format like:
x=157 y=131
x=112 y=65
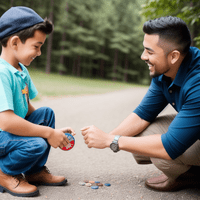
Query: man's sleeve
x=153 y=102
x=185 y=128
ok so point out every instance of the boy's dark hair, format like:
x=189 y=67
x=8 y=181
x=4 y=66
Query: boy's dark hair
x=171 y=29
x=46 y=27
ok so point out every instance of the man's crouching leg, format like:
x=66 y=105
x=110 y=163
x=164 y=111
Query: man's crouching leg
x=170 y=179
x=176 y=174
x=183 y=172
x=159 y=126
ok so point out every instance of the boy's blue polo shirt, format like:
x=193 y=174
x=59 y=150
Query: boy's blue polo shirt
x=16 y=88
x=184 y=95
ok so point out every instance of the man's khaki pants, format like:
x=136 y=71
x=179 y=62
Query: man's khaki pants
x=171 y=168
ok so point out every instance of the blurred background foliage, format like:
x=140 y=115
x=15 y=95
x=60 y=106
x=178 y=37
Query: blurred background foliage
x=188 y=10
x=103 y=39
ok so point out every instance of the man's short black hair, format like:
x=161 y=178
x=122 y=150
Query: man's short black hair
x=46 y=27
x=171 y=29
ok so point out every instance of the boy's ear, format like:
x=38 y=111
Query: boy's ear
x=14 y=41
x=174 y=56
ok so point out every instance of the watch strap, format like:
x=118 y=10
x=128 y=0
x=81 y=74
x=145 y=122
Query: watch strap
x=114 y=145
x=116 y=139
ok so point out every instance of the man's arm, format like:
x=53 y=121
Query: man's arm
x=148 y=146
x=131 y=126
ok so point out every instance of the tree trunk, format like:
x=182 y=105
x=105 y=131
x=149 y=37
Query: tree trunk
x=90 y=69
x=74 y=67
x=195 y=28
x=79 y=66
x=49 y=44
x=79 y=57
x=126 y=68
x=11 y=3
x=62 y=56
x=115 y=65
x=102 y=64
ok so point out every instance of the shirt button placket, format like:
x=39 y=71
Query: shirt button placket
x=173 y=103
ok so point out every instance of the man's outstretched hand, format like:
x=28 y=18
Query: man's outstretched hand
x=96 y=138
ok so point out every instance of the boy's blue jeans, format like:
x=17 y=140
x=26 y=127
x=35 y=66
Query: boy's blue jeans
x=26 y=155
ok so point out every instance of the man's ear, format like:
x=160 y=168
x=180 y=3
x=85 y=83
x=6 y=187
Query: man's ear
x=14 y=42
x=174 y=56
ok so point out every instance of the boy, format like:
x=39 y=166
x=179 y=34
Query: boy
x=26 y=134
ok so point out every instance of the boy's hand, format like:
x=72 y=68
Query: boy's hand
x=57 y=138
x=68 y=130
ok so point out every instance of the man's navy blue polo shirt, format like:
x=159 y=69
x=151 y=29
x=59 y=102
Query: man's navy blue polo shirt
x=184 y=95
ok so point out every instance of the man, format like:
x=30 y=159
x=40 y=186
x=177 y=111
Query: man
x=171 y=142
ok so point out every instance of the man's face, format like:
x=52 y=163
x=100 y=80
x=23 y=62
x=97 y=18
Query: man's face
x=155 y=57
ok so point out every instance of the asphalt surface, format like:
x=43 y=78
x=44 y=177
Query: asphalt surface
x=126 y=177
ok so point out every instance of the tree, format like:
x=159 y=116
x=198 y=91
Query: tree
x=188 y=10
x=126 y=37
x=50 y=41
x=96 y=39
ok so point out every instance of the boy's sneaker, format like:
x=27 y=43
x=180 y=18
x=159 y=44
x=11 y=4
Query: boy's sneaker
x=17 y=186
x=46 y=178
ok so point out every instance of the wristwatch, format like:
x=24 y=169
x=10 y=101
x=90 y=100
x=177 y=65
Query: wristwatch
x=114 y=145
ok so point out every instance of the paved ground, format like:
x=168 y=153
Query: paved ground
x=105 y=111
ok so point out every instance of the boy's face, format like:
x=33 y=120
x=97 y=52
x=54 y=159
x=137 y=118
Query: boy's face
x=28 y=51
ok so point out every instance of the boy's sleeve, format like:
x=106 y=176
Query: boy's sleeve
x=32 y=90
x=6 y=96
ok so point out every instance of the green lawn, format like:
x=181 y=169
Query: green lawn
x=54 y=85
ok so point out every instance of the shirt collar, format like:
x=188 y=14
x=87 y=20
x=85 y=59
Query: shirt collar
x=11 y=68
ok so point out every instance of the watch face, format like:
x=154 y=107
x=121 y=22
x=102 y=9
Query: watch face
x=114 y=147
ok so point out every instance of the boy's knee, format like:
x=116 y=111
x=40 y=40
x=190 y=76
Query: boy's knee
x=47 y=116
x=47 y=110
x=37 y=147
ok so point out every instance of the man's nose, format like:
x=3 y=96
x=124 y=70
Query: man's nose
x=144 y=56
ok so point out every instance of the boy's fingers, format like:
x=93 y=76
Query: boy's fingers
x=66 y=141
x=73 y=132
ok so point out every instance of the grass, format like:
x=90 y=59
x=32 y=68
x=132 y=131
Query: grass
x=55 y=85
